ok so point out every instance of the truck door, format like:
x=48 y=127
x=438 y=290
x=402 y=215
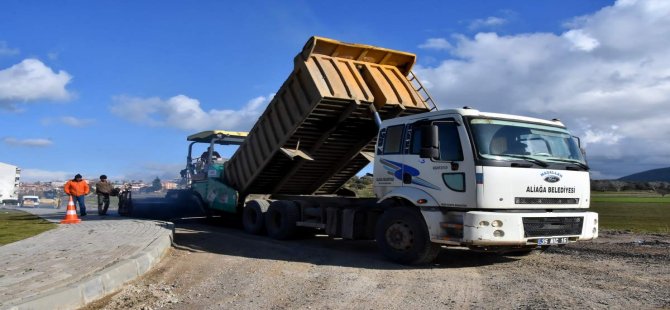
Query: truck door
x=449 y=178
x=389 y=166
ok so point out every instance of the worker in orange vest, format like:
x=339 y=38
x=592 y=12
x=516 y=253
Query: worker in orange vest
x=78 y=189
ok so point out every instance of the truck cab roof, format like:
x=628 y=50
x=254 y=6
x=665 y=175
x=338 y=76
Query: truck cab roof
x=471 y=113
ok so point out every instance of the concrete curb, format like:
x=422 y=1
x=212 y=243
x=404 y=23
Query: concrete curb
x=106 y=281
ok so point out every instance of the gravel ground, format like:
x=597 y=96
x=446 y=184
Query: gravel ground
x=216 y=266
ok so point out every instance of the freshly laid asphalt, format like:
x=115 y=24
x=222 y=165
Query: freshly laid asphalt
x=74 y=264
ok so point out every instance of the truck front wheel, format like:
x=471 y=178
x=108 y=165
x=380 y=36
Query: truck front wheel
x=253 y=216
x=281 y=218
x=402 y=236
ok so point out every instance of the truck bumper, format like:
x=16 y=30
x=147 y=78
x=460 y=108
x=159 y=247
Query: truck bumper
x=527 y=229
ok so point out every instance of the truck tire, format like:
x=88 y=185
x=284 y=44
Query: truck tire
x=280 y=219
x=402 y=236
x=253 y=216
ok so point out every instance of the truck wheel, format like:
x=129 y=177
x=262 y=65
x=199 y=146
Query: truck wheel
x=402 y=236
x=280 y=219
x=253 y=216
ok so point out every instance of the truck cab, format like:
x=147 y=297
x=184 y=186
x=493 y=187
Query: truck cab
x=485 y=180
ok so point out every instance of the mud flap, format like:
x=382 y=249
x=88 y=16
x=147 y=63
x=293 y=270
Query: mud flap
x=333 y=227
x=358 y=224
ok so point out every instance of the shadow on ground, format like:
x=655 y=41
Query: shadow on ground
x=220 y=236
x=224 y=235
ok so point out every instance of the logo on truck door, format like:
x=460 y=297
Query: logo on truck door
x=551 y=176
x=396 y=169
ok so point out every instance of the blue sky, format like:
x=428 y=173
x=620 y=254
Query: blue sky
x=115 y=87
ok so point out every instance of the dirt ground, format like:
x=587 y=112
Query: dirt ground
x=220 y=267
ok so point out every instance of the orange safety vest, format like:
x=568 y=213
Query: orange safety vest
x=75 y=188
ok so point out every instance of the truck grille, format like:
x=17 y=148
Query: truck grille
x=545 y=201
x=552 y=226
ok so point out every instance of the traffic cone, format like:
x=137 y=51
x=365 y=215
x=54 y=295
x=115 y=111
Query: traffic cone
x=71 y=214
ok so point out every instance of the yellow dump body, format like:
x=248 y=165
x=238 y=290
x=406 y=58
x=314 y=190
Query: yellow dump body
x=318 y=131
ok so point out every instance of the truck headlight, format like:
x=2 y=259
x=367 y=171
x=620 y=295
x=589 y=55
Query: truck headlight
x=497 y=223
x=498 y=233
x=484 y=223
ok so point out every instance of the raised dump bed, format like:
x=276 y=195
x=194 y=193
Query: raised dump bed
x=319 y=130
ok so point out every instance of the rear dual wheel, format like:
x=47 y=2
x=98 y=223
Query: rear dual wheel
x=253 y=216
x=281 y=219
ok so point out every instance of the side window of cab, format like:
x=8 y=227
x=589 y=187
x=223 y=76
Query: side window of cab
x=393 y=139
x=449 y=140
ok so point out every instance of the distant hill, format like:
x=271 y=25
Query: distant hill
x=662 y=175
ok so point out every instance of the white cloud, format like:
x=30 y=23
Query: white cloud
x=603 y=137
x=488 y=22
x=185 y=113
x=76 y=122
x=34 y=175
x=32 y=80
x=609 y=68
x=68 y=120
x=581 y=40
x=5 y=50
x=436 y=44
x=27 y=142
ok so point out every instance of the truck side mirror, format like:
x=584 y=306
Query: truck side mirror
x=430 y=143
x=579 y=145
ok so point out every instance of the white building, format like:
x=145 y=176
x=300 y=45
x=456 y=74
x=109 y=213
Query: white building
x=9 y=181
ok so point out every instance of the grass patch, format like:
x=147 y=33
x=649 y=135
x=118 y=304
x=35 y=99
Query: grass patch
x=623 y=199
x=629 y=197
x=17 y=225
x=634 y=211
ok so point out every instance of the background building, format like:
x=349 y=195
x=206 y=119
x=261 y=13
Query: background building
x=10 y=177
x=169 y=185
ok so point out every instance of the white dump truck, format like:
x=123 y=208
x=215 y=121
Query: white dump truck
x=460 y=177
x=482 y=180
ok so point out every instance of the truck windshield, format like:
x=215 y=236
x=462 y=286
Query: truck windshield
x=512 y=140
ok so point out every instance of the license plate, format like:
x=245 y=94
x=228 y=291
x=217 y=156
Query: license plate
x=551 y=241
